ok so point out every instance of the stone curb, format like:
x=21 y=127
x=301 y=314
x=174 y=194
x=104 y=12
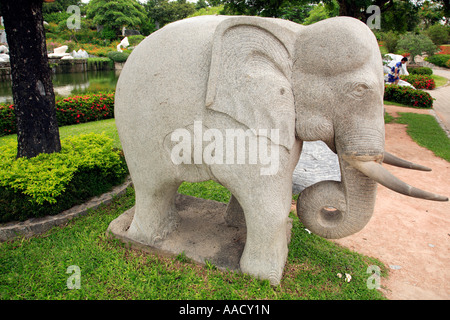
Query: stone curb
x=36 y=226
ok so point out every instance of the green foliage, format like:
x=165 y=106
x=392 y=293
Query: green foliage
x=421 y=70
x=50 y=183
x=390 y=40
x=117 y=56
x=438 y=33
x=163 y=12
x=420 y=81
x=115 y=14
x=439 y=59
x=402 y=16
x=416 y=44
x=430 y=13
x=318 y=13
x=208 y=11
x=135 y=40
x=408 y=96
x=100 y=64
x=295 y=13
x=56 y=17
x=108 y=33
x=71 y=110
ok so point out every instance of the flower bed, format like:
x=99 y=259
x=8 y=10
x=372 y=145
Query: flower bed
x=420 y=81
x=71 y=110
x=408 y=96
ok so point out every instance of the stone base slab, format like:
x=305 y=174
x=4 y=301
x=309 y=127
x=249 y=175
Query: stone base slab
x=202 y=234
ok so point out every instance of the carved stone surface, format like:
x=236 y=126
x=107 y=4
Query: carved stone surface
x=231 y=99
x=317 y=163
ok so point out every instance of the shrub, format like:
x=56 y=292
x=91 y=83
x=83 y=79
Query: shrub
x=438 y=33
x=117 y=56
x=51 y=183
x=135 y=40
x=438 y=59
x=408 y=96
x=416 y=44
x=421 y=70
x=71 y=110
x=420 y=81
x=390 y=40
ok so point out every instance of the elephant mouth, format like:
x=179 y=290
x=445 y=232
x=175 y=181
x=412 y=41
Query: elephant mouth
x=375 y=171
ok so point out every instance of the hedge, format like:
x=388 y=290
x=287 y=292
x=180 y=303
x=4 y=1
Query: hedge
x=117 y=56
x=439 y=59
x=71 y=110
x=47 y=184
x=420 y=81
x=408 y=96
x=421 y=70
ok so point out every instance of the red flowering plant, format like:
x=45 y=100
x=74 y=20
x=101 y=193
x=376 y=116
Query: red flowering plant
x=408 y=96
x=420 y=81
x=80 y=109
x=71 y=110
x=7 y=119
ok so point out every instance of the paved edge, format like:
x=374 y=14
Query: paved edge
x=37 y=226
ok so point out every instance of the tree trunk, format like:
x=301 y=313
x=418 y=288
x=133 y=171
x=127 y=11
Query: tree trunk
x=32 y=88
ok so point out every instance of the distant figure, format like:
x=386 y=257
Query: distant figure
x=394 y=75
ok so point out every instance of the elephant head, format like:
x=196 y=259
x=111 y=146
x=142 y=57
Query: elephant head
x=319 y=82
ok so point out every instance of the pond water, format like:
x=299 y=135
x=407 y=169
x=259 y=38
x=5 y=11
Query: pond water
x=67 y=84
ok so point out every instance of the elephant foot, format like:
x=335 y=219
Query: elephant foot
x=265 y=253
x=149 y=230
x=268 y=266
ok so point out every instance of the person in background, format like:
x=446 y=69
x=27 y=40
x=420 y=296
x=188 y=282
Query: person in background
x=394 y=75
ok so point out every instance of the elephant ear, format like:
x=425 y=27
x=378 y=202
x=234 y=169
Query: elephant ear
x=250 y=76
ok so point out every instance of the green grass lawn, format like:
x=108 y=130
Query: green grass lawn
x=106 y=126
x=440 y=81
x=425 y=130
x=36 y=268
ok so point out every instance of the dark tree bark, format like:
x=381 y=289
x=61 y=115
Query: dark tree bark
x=32 y=88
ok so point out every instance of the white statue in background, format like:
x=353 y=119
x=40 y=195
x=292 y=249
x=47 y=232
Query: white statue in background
x=124 y=43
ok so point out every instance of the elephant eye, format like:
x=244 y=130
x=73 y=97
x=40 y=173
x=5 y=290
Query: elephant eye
x=357 y=90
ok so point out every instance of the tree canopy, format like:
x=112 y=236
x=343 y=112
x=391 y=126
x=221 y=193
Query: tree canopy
x=116 y=14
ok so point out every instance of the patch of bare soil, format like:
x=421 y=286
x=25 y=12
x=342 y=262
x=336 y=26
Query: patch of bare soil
x=410 y=236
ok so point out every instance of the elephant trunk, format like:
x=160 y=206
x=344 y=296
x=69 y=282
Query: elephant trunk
x=334 y=209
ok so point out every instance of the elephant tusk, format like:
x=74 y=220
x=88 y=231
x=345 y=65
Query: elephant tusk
x=395 y=161
x=376 y=172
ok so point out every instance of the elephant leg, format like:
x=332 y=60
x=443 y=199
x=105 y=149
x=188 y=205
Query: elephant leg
x=266 y=247
x=155 y=214
x=234 y=215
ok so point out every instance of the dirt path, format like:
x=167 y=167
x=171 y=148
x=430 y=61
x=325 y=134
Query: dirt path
x=411 y=236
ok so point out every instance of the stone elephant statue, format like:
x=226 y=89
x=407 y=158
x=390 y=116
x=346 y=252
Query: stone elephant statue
x=232 y=99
